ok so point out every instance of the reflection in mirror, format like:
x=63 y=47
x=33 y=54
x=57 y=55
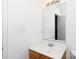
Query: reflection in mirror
x=54 y=22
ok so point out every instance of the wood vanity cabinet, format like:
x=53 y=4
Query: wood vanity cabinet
x=44 y=57
x=36 y=55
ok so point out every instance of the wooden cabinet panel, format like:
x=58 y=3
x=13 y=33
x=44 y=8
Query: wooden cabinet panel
x=44 y=57
x=33 y=55
x=31 y=58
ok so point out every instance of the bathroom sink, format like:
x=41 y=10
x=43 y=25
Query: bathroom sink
x=54 y=51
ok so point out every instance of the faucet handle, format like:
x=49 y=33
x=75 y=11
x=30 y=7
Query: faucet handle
x=50 y=44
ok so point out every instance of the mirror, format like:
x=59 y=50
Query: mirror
x=54 y=17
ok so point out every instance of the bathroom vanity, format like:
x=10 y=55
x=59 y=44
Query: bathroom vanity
x=53 y=44
x=36 y=55
x=43 y=51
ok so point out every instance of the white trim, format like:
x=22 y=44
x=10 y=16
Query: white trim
x=5 y=29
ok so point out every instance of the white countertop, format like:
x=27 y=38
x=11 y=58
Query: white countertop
x=55 y=52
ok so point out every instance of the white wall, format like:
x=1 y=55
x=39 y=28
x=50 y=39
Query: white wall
x=24 y=24
x=71 y=25
x=23 y=19
x=4 y=29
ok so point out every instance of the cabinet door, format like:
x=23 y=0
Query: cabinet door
x=44 y=57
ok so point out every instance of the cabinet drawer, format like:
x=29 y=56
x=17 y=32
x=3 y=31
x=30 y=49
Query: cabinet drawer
x=33 y=55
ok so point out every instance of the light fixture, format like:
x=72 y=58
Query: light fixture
x=51 y=2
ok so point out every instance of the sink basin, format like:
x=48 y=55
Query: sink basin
x=54 y=51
